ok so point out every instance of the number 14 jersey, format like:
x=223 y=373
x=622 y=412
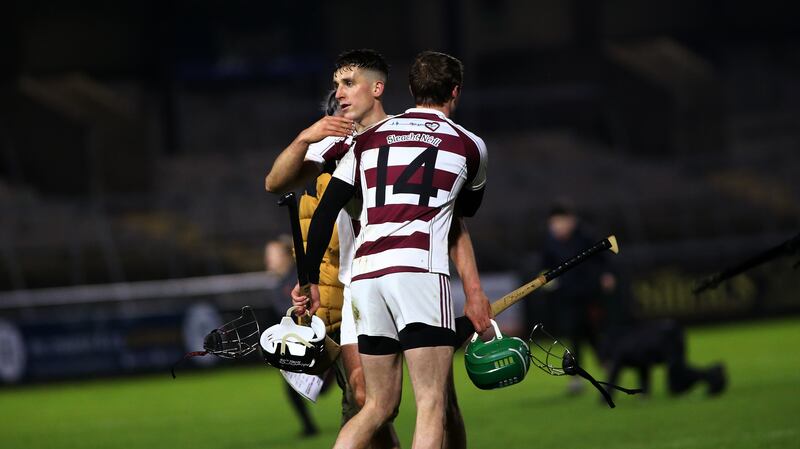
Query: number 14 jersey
x=410 y=169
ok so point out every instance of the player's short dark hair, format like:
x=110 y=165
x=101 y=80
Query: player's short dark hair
x=364 y=58
x=433 y=77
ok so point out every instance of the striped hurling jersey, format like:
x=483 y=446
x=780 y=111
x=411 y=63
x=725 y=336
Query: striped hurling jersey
x=410 y=169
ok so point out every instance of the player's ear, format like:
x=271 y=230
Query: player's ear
x=377 y=88
x=456 y=91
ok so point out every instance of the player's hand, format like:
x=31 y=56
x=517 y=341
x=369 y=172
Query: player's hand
x=314 y=298
x=299 y=299
x=327 y=126
x=478 y=310
x=303 y=302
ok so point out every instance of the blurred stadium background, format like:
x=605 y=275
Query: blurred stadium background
x=134 y=138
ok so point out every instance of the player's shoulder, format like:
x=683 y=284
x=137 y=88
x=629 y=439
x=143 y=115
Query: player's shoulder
x=469 y=134
x=325 y=144
x=364 y=137
x=329 y=148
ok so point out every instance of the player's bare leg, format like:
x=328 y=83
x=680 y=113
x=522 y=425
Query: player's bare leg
x=383 y=376
x=455 y=433
x=385 y=437
x=429 y=368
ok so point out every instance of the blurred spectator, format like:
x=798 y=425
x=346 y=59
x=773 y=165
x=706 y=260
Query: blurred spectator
x=625 y=343
x=279 y=262
x=588 y=304
x=573 y=299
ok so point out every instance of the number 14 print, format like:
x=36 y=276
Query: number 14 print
x=425 y=189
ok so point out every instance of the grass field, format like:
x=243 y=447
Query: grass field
x=246 y=408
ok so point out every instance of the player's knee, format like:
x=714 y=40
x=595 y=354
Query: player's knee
x=432 y=404
x=382 y=411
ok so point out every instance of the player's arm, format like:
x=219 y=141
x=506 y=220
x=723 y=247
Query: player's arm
x=470 y=196
x=476 y=307
x=320 y=231
x=468 y=202
x=291 y=169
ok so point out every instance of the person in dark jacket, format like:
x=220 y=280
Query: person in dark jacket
x=573 y=303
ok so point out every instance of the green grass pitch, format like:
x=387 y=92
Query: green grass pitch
x=246 y=407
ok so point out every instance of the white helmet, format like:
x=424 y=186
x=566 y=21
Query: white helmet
x=293 y=347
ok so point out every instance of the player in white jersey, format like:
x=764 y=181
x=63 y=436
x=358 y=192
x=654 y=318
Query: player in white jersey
x=359 y=78
x=413 y=171
x=359 y=86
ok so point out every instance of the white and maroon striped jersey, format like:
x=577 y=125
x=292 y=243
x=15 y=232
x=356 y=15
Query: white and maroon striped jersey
x=410 y=169
x=326 y=152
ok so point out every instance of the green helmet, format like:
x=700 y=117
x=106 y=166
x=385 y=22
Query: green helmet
x=497 y=363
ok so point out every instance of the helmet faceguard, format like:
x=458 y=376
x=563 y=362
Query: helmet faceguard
x=547 y=355
x=234 y=339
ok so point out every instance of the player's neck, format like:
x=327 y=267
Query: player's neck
x=445 y=109
x=372 y=117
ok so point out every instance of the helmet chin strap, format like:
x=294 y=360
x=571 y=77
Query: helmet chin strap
x=188 y=355
x=572 y=368
x=299 y=339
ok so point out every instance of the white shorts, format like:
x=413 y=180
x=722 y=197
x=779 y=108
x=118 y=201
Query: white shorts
x=413 y=309
x=347 y=333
